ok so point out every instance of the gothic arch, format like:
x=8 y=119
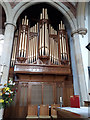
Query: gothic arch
x=7 y=8
x=58 y=5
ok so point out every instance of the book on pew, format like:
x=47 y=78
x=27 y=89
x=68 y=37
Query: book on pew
x=75 y=101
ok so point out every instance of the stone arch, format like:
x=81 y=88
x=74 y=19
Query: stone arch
x=7 y=8
x=58 y=5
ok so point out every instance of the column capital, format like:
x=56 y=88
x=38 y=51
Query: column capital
x=81 y=31
x=10 y=23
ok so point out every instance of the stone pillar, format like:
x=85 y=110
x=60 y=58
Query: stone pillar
x=89 y=51
x=1 y=46
x=80 y=70
x=7 y=49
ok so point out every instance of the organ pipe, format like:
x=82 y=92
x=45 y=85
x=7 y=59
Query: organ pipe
x=32 y=57
x=63 y=42
x=44 y=41
x=23 y=38
x=14 y=50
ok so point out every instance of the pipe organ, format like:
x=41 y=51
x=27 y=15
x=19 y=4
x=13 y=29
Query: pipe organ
x=40 y=62
x=41 y=42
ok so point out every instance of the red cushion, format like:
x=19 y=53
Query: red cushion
x=75 y=102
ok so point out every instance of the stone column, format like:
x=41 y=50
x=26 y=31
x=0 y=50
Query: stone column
x=80 y=70
x=7 y=49
x=89 y=51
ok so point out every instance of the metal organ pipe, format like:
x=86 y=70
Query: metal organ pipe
x=33 y=43
x=22 y=53
x=63 y=42
x=40 y=43
x=14 y=50
x=51 y=43
x=42 y=33
x=23 y=38
x=67 y=48
x=44 y=38
x=20 y=45
x=37 y=41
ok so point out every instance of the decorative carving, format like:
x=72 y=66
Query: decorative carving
x=21 y=59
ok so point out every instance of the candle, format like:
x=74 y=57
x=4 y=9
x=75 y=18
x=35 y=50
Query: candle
x=60 y=99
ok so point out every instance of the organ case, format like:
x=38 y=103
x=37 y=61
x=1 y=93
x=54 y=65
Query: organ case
x=40 y=55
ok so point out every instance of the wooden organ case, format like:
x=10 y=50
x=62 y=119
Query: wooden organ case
x=41 y=63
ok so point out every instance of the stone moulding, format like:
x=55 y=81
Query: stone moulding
x=81 y=31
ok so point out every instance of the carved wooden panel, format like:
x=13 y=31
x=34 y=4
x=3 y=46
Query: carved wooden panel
x=42 y=69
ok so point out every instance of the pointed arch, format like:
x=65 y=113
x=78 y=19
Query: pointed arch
x=19 y=8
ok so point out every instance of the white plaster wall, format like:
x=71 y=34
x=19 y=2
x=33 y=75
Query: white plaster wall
x=84 y=51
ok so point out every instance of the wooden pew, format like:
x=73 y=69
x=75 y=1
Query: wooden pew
x=44 y=111
x=32 y=112
x=53 y=111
